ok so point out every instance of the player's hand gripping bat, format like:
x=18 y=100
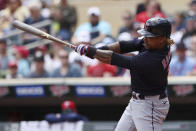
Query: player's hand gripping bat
x=32 y=30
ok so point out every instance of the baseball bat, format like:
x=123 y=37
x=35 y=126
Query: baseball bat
x=32 y=30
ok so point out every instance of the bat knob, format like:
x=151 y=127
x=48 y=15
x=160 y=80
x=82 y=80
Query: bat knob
x=73 y=46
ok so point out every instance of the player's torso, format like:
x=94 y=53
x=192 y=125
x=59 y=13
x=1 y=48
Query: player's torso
x=151 y=71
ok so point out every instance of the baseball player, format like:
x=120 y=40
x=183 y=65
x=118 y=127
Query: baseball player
x=69 y=114
x=149 y=104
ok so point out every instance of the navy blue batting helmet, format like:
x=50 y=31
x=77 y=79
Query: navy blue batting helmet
x=156 y=26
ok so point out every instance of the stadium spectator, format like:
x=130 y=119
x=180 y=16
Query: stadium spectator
x=12 y=72
x=13 y=11
x=39 y=71
x=66 y=69
x=3 y=56
x=127 y=21
x=69 y=114
x=102 y=70
x=129 y=35
x=52 y=60
x=128 y=31
x=97 y=29
x=49 y=64
x=178 y=23
x=192 y=8
x=21 y=54
x=142 y=6
x=66 y=15
x=181 y=64
x=178 y=28
x=35 y=15
x=190 y=30
x=45 y=12
x=34 y=18
x=192 y=51
x=152 y=10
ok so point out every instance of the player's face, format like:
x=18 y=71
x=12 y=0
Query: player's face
x=153 y=42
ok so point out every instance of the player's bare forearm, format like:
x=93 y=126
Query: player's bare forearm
x=104 y=56
x=115 y=47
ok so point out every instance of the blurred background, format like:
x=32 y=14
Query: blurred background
x=46 y=86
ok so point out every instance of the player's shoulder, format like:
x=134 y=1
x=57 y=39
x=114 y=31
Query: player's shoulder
x=150 y=56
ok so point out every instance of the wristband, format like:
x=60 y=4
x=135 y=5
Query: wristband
x=91 y=51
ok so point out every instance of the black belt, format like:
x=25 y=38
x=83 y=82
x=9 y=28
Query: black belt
x=142 y=97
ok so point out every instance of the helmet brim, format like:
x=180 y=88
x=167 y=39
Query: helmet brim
x=145 y=33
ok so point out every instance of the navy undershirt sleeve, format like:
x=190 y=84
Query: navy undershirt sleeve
x=123 y=61
x=129 y=46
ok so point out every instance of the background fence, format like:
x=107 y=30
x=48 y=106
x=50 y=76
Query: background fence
x=87 y=126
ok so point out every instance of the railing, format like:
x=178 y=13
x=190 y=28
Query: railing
x=91 y=81
x=16 y=35
x=89 y=91
x=87 y=126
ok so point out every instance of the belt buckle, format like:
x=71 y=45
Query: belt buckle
x=135 y=95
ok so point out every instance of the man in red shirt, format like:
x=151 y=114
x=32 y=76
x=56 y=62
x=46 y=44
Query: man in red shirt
x=101 y=70
x=151 y=11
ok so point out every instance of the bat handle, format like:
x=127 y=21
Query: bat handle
x=72 y=46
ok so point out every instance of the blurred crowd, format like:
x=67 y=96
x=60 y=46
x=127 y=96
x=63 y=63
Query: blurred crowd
x=55 y=60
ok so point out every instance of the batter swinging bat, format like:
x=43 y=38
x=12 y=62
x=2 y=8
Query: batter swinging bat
x=32 y=30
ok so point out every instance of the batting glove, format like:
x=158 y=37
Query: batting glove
x=81 y=49
x=86 y=50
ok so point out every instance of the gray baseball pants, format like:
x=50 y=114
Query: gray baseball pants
x=144 y=115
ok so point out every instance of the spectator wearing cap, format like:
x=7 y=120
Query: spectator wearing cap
x=69 y=114
x=3 y=56
x=181 y=64
x=21 y=54
x=12 y=72
x=49 y=64
x=97 y=29
x=66 y=15
x=39 y=71
x=67 y=69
